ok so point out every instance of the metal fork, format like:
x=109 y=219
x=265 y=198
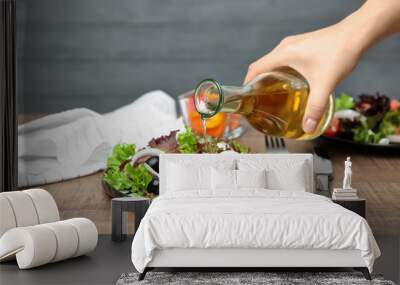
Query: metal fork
x=275 y=145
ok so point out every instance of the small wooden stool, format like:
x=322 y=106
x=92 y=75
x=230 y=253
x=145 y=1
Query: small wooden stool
x=119 y=207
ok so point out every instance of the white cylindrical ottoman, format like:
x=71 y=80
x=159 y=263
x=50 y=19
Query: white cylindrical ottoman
x=31 y=232
x=37 y=245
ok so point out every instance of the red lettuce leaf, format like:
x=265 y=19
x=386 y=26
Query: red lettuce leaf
x=165 y=143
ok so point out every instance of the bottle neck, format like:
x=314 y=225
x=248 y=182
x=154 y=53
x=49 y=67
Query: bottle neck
x=210 y=98
x=233 y=97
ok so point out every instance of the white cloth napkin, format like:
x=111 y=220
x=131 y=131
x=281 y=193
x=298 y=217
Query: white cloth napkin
x=76 y=142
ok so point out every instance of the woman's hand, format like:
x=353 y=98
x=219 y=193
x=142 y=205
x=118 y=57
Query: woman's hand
x=322 y=57
x=325 y=57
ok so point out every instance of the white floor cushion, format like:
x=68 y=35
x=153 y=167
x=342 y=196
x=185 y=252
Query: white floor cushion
x=32 y=246
x=7 y=220
x=37 y=245
x=23 y=208
x=31 y=233
x=45 y=206
x=87 y=234
x=67 y=240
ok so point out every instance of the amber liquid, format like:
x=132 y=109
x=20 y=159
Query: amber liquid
x=276 y=106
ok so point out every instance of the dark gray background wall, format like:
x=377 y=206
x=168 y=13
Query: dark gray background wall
x=102 y=54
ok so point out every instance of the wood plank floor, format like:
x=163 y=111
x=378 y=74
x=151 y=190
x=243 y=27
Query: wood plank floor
x=377 y=178
x=83 y=197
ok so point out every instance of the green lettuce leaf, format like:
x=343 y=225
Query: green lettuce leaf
x=124 y=177
x=239 y=148
x=120 y=153
x=344 y=102
x=389 y=123
x=139 y=177
x=187 y=141
x=386 y=127
x=364 y=134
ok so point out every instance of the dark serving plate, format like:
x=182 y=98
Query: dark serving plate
x=110 y=191
x=390 y=148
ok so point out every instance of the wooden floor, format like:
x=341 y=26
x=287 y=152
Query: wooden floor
x=376 y=177
x=83 y=197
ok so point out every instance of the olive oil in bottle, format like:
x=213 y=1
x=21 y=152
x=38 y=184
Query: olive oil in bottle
x=273 y=103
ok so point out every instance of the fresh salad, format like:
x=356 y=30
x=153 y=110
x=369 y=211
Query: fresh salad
x=136 y=179
x=373 y=119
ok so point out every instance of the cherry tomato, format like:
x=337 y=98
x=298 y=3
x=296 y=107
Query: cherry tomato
x=394 y=105
x=333 y=129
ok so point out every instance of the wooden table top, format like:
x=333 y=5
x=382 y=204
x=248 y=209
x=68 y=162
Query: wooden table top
x=376 y=177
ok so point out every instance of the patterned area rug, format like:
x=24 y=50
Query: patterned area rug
x=233 y=278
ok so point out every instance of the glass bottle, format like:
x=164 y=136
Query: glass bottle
x=273 y=103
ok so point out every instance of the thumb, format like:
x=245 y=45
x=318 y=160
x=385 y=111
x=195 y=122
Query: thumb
x=266 y=63
x=316 y=107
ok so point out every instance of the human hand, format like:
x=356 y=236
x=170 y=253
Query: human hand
x=326 y=56
x=322 y=57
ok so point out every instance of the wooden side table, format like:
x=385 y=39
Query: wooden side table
x=119 y=207
x=357 y=206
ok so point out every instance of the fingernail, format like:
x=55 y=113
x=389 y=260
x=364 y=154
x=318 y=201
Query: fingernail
x=309 y=125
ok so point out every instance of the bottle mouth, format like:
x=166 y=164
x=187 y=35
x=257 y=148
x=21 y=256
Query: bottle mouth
x=208 y=98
